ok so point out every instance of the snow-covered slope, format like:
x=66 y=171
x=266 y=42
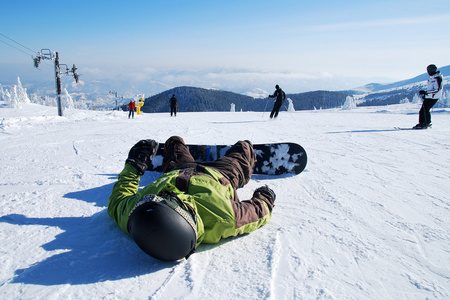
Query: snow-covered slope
x=367 y=219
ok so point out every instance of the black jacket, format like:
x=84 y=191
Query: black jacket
x=279 y=94
x=173 y=101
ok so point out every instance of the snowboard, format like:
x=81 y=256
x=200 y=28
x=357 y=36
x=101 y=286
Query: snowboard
x=271 y=159
x=410 y=128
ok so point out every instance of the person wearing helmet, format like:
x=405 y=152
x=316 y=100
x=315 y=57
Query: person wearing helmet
x=279 y=96
x=191 y=203
x=430 y=96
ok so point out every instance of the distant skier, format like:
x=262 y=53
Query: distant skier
x=430 y=96
x=173 y=106
x=131 y=108
x=191 y=203
x=280 y=97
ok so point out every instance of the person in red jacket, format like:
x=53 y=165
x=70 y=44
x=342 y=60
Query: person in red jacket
x=131 y=108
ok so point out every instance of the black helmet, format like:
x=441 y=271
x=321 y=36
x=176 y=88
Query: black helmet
x=431 y=69
x=277 y=86
x=163 y=227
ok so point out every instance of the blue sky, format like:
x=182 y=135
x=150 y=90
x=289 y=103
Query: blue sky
x=207 y=43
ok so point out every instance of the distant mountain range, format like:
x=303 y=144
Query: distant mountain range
x=95 y=95
x=376 y=87
x=375 y=94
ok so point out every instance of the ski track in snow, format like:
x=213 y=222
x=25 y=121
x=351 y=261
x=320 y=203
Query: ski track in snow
x=367 y=219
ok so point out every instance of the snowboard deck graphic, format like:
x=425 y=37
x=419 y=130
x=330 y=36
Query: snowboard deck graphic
x=271 y=159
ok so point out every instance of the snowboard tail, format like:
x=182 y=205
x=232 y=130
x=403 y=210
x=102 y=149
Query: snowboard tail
x=271 y=159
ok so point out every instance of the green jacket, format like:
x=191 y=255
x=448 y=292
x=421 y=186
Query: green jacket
x=219 y=212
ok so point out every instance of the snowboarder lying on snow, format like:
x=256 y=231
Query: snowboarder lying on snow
x=191 y=203
x=430 y=96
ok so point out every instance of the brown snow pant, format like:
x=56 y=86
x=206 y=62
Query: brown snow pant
x=237 y=164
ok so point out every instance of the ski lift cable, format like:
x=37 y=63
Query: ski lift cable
x=34 y=52
x=39 y=56
x=20 y=49
x=14 y=47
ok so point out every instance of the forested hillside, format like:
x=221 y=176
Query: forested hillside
x=193 y=99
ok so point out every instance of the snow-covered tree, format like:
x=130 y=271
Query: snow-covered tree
x=233 y=107
x=82 y=105
x=349 y=103
x=21 y=93
x=49 y=101
x=34 y=98
x=404 y=100
x=68 y=103
x=15 y=99
x=6 y=96
x=444 y=101
x=291 y=105
x=416 y=99
x=16 y=96
x=2 y=94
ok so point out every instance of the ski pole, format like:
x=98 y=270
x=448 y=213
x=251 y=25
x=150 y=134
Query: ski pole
x=265 y=107
x=287 y=109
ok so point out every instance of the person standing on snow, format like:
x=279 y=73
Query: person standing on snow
x=191 y=203
x=131 y=108
x=430 y=96
x=280 y=97
x=173 y=105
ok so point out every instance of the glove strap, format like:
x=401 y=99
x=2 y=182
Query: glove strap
x=140 y=167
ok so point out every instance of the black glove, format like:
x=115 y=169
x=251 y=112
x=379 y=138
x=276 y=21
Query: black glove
x=141 y=153
x=266 y=191
x=422 y=92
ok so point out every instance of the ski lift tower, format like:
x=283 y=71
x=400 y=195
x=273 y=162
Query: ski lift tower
x=117 y=98
x=46 y=54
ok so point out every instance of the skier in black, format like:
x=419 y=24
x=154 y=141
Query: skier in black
x=430 y=96
x=173 y=106
x=280 y=97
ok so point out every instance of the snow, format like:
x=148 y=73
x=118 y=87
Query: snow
x=367 y=219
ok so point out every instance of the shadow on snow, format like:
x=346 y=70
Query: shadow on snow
x=363 y=131
x=95 y=249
